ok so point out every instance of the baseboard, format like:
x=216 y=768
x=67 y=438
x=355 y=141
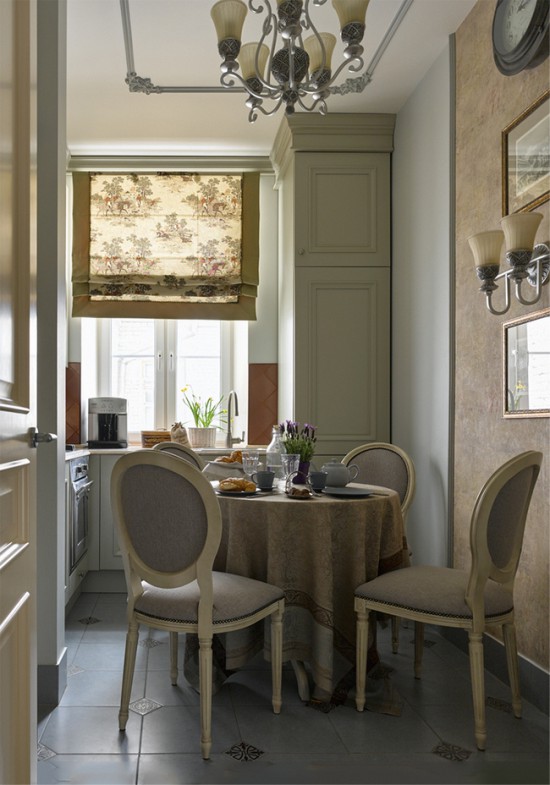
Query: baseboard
x=51 y=681
x=534 y=681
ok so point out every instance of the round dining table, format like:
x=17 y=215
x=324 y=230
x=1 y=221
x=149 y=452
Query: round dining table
x=318 y=550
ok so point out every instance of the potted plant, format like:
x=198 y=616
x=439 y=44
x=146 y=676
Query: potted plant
x=300 y=441
x=208 y=416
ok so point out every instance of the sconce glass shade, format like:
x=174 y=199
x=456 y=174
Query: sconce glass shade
x=520 y=230
x=228 y=17
x=486 y=248
x=247 y=60
x=315 y=52
x=350 y=11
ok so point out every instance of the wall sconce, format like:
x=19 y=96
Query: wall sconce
x=526 y=260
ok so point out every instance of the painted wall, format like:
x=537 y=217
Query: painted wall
x=486 y=103
x=421 y=305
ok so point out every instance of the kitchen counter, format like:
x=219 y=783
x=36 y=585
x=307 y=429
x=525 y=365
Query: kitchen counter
x=206 y=452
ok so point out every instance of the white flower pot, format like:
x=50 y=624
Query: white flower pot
x=202 y=437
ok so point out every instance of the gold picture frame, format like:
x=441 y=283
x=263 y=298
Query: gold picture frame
x=526 y=158
x=526 y=365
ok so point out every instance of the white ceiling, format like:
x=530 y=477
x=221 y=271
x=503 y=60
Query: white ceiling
x=174 y=43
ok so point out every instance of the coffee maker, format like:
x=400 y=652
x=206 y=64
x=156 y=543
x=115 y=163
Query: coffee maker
x=107 y=423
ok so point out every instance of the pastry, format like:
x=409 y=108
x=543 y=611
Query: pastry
x=236 y=484
x=235 y=457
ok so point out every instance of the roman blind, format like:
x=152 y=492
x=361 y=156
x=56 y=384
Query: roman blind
x=165 y=245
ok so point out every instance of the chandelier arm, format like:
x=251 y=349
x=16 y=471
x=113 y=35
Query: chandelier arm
x=537 y=284
x=269 y=25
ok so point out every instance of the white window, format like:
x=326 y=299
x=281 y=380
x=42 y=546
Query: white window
x=149 y=361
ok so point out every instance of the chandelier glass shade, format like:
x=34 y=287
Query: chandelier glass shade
x=283 y=67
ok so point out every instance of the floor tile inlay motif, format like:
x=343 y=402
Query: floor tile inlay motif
x=244 y=751
x=451 y=751
x=150 y=643
x=496 y=703
x=44 y=753
x=89 y=620
x=72 y=670
x=145 y=706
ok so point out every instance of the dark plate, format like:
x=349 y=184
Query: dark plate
x=347 y=492
x=238 y=493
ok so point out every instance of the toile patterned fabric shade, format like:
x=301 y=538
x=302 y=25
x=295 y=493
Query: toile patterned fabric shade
x=165 y=245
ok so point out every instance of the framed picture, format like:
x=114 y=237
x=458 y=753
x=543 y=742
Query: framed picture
x=526 y=159
x=526 y=354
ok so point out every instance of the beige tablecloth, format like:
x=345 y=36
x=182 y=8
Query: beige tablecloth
x=318 y=551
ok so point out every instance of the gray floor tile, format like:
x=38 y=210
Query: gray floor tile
x=176 y=729
x=106 y=656
x=100 y=688
x=298 y=729
x=90 y=730
x=89 y=769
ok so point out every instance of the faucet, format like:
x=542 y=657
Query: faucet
x=231 y=399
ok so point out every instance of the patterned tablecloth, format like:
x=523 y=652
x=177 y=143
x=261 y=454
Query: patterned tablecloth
x=318 y=550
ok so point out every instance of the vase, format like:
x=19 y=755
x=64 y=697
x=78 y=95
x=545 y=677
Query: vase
x=302 y=474
x=202 y=437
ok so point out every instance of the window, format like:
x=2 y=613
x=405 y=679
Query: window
x=149 y=361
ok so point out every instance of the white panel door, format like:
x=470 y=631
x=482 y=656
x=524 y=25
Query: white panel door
x=17 y=392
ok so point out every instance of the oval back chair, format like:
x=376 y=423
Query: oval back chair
x=182 y=451
x=169 y=526
x=474 y=599
x=381 y=463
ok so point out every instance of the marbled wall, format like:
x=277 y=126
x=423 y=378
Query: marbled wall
x=486 y=103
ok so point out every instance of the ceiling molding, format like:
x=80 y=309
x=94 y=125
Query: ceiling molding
x=167 y=163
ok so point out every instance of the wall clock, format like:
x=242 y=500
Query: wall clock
x=520 y=34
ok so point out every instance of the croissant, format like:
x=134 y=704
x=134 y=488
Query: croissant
x=237 y=484
x=235 y=457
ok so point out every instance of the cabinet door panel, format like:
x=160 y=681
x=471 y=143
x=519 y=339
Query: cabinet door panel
x=342 y=345
x=342 y=209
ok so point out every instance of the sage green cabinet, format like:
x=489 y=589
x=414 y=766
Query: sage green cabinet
x=334 y=183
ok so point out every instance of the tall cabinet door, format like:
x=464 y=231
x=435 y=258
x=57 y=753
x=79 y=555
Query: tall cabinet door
x=342 y=209
x=342 y=372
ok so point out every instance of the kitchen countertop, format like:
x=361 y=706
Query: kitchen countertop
x=70 y=455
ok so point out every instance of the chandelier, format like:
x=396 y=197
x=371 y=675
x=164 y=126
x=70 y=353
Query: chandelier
x=292 y=69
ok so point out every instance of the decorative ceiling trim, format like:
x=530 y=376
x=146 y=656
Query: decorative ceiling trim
x=143 y=84
x=168 y=163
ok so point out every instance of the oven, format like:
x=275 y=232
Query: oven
x=79 y=490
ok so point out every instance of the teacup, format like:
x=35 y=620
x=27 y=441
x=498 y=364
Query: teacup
x=318 y=480
x=264 y=480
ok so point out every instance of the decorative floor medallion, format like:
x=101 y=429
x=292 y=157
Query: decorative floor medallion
x=145 y=706
x=44 y=753
x=244 y=751
x=496 y=703
x=451 y=751
x=89 y=620
x=150 y=643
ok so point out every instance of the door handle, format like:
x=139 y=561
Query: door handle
x=36 y=437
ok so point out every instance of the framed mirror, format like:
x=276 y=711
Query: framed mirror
x=526 y=355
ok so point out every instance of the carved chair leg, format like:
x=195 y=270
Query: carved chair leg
x=174 y=658
x=205 y=683
x=418 y=648
x=277 y=658
x=395 y=634
x=128 y=672
x=475 y=646
x=361 y=647
x=510 y=645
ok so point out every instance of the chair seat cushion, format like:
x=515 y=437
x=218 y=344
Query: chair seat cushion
x=437 y=590
x=235 y=598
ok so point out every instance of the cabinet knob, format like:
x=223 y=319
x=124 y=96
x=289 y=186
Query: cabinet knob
x=301 y=251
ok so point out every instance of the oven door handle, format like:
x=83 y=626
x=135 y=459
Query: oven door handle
x=83 y=489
